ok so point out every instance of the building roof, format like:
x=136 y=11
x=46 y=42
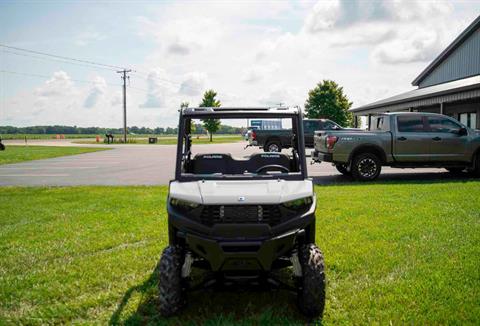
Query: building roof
x=415 y=96
x=445 y=53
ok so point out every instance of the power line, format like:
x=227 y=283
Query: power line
x=44 y=76
x=58 y=60
x=61 y=57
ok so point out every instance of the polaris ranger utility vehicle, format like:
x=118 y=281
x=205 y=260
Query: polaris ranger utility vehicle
x=241 y=218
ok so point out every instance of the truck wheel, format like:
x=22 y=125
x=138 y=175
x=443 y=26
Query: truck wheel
x=342 y=168
x=366 y=167
x=311 y=292
x=476 y=168
x=273 y=146
x=455 y=170
x=171 y=290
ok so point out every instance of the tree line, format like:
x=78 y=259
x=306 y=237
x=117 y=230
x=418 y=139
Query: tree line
x=74 y=130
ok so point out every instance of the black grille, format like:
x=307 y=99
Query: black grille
x=268 y=214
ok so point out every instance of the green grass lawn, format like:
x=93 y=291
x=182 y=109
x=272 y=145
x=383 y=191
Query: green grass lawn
x=15 y=154
x=217 y=139
x=401 y=253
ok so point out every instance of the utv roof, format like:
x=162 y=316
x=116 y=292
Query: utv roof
x=240 y=111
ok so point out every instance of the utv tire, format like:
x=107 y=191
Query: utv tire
x=342 y=168
x=366 y=167
x=171 y=289
x=273 y=146
x=311 y=293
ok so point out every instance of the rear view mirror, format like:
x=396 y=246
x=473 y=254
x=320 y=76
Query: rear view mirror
x=461 y=132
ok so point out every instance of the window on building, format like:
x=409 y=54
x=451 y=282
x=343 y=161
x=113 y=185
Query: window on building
x=377 y=123
x=469 y=119
x=410 y=123
x=439 y=124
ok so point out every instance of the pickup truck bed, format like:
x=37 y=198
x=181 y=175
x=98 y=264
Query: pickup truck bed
x=276 y=140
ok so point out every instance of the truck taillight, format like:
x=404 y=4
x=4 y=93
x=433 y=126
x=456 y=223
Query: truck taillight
x=331 y=140
x=254 y=135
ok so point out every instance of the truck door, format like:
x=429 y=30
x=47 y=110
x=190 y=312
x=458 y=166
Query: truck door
x=309 y=127
x=446 y=143
x=411 y=141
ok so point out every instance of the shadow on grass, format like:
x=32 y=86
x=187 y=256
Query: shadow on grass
x=236 y=305
x=397 y=178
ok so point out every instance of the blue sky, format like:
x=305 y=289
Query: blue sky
x=250 y=52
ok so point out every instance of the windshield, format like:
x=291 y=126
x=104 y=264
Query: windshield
x=240 y=148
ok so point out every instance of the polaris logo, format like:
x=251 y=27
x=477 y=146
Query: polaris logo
x=241 y=198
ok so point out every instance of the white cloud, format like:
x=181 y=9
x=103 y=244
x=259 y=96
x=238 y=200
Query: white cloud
x=323 y=16
x=97 y=91
x=60 y=84
x=158 y=87
x=194 y=84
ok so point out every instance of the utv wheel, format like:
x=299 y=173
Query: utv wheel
x=273 y=147
x=342 y=168
x=366 y=167
x=311 y=293
x=171 y=290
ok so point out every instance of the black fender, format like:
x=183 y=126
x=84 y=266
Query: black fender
x=369 y=148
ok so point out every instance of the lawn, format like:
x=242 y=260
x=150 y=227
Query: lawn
x=169 y=140
x=15 y=154
x=401 y=253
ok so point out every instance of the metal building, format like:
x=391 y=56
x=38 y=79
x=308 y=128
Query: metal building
x=450 y=84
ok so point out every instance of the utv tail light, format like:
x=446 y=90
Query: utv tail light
x=331 y=141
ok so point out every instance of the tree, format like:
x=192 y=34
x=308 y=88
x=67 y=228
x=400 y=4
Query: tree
x=327 y=101
x=185 y=105
x=211 y=125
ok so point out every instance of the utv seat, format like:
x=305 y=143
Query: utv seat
x=212 y=163
x=260 y=160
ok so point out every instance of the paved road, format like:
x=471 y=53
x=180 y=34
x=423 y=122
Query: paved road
x=154 y=165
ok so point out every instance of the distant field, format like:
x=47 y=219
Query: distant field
x=396 y=253
x=76 y=136
x=217 y=139
x=15 y=154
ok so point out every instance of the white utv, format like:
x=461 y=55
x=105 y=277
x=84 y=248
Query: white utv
x=241 y=217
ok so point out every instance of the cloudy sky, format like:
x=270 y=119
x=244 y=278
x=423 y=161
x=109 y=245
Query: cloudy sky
x=250 y=52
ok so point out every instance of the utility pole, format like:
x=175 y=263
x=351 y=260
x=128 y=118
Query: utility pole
x=124 y=78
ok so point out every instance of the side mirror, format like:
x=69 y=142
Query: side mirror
x=462 y=131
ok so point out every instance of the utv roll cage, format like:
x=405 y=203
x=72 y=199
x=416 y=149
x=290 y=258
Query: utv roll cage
x=185 y=162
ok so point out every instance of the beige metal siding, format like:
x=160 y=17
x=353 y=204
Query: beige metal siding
x=462 y=63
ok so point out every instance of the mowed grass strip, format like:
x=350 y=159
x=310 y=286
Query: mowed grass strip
x=220 y=139
x=395 y=253
x=16 y=153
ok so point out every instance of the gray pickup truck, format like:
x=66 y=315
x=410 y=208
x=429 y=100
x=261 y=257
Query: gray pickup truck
x=403 y=140
x=274 y=140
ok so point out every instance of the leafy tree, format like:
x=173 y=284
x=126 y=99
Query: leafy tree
x=211 y=125
x=185 y=105
x=327 y=101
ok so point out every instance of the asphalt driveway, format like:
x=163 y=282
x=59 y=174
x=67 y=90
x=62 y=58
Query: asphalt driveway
x=154 y=165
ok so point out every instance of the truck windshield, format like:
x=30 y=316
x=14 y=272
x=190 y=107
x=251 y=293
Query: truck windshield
x=232 y=150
